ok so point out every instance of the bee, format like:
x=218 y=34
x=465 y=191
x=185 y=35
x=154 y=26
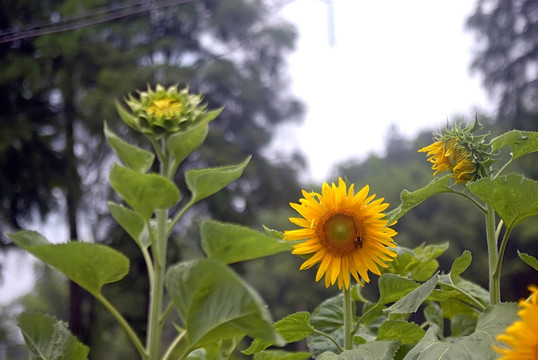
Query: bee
x=358 y=242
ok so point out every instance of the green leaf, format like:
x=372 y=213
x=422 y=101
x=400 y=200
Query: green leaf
x=418 y=264
x=513 y=197
x=373 y=350
x=412 y=199
x=292 y=328
x=462 y=325
x=87 y=264
x=478 y=345
x=394 y=287
x=205 y=182
x=460 y=264
x=50 y=339
x=454 y=306
x=528 y=259
x=231 y=243
x=281 y=355
x=131 y=222
x=133 y=157
x=519 y=142
x=328 y=318
x=412 y=301
x=406 y=332
x=144 y=192
x=181 y=144
x=215 y=304
x=434 y=317
x=273 y=233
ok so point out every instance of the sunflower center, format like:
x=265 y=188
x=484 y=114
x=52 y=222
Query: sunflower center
x=339 y=233
x=166 y=106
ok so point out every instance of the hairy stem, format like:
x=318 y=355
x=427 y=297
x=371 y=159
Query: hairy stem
x=348 y=320
x=493 y=257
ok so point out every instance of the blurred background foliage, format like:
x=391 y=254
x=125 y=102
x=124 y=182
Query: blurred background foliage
x=58 y=88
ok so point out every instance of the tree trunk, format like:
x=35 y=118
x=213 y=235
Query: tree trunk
x=72 y=190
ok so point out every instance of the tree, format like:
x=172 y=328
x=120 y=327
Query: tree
x=59 y=88
x=506 y=55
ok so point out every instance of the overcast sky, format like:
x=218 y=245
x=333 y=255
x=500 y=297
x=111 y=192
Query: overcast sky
x=392 y=62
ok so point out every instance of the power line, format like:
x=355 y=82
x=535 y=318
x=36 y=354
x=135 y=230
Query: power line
x=67 y=24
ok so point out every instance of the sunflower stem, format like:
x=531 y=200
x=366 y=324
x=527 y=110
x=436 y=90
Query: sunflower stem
x=348 y=320
x=493 y=256
x=153 y=340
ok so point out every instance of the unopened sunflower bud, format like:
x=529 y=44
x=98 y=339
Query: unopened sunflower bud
x=162 y=111
x=460 y=151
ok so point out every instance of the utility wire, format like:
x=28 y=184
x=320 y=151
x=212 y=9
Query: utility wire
x=68 y=18
x=66 y=24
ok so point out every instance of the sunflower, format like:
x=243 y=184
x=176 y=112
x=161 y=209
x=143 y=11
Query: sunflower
x=344 y=232
x=522 y=336
x=462 y=152
x=451 y=155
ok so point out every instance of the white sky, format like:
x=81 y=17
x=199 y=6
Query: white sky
x=393 y=62
x=401 y=62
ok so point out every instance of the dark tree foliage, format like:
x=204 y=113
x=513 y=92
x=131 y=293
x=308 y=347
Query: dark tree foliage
x=506 y=55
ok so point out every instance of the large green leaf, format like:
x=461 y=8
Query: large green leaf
x=144 y=192
x=412 y=301
x=133 y=157
x=182 y=143
x=327 y=318
x=406 y=332
x=513 y=197
x=215 y=304
x=394 y=287
x=131 y=222
x=205 y=182
x=50 y=339
x=87 y=264
x=292 y=328
x=519 y=142
x=412 y=199
x=374 y=350
x=478 y=345
x=231 y=243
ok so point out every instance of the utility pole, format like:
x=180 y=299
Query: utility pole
x=330 y=21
